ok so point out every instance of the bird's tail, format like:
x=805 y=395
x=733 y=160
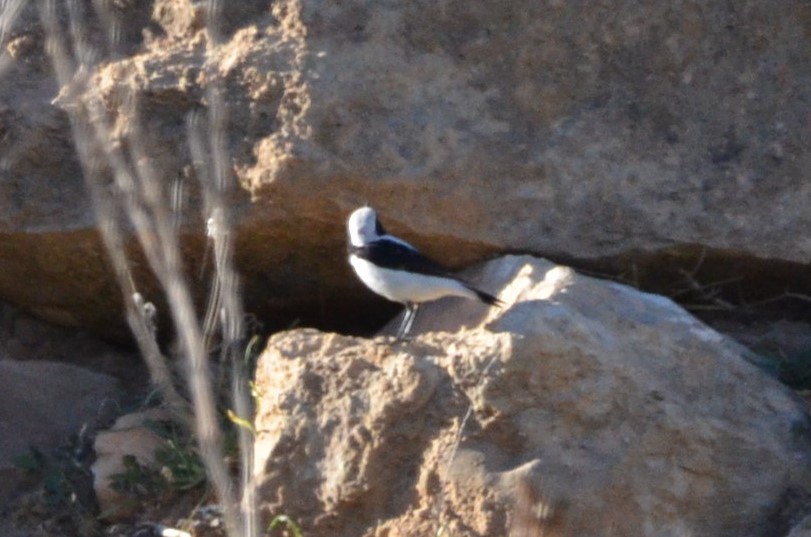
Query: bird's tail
x=486 y=297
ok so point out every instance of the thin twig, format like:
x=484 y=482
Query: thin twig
x=138 y=189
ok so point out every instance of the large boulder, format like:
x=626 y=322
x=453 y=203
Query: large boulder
x=53 y=263
x=626 y=136
x=42 y=405
x=583 y=406
x=56 y=384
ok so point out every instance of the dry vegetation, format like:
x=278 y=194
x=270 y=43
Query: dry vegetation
x=129 y=196
x=132 y=198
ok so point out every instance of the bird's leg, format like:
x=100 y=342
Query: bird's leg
x=403 y=321
x=408 y=320
x=413 y=308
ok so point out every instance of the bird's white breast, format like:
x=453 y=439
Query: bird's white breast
x=401 y=286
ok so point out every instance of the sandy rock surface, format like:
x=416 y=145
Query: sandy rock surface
x=606 y=410
x=626 y=132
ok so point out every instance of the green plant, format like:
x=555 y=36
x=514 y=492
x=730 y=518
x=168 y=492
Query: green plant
x=177 y=466
x=57 y=485
x=181 y=466
x=139 y=480
x=61 y=502
x=32 y=461
x=289 y=524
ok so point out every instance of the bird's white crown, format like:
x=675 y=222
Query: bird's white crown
x=362 y=226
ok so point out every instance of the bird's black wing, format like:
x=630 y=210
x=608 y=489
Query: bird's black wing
x=395 y=255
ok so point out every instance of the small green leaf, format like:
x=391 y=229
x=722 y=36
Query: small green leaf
x=287 y=521
x=31 y=461
x=241 y=422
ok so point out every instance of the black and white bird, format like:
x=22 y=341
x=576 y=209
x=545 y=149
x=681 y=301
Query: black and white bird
x=397 y=271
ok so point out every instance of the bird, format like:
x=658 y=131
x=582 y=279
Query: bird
x=396 y=270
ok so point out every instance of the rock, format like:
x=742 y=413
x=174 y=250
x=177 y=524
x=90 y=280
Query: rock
x=24 y=337
x=53 y=262
x=129 y=436
x=803 y=529
x=594 y=407
x=58 y=386
x=498 y=129
x=42 y=404
x=528 y=125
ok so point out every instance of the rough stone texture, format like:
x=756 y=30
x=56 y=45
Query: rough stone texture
x=52 y=259
x=24 y=337
x=530 y=124
x=41 y=404
x=53 y=381
x=618 y=411
x=130 y=435
x=581 y=131
x=44 y=402
x=803 y=529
